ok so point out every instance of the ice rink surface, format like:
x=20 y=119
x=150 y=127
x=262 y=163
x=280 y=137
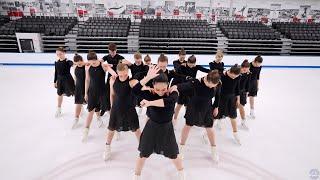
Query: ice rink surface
x=282 y=143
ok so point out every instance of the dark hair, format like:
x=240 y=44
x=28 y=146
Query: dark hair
x=235 y=69
x=258 y=59
x=162 y=78
x=61 y=49
x=192 y=59
x=122 y=67
x=112 y=47
x=77 y=58
x=92 y=55
x=213 y=77
x=162 y=58
x=182 y=51
x=245 y=64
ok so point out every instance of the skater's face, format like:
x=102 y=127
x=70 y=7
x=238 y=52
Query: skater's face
x=219 y=57
x=147 y=62
x=182 y=57
x=244 y=70
x=61 y=55
x=137 y=61
x=79 y=63
x=123 y=75
x=233 y=76
x=113 y=53
x=163 y=66
x=257 y=64
x=209 y=84
x=160 y=88
x=191 y=65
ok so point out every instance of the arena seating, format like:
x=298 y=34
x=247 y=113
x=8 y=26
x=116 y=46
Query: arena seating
x=4 y=20
x=175 y=28
x=247 y=30
x=105 y=27
x=299 y=31
x=48 y=25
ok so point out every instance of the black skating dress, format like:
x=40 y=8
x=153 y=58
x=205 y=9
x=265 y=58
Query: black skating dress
x=79 y=93
x=63 y=77
x=97 y=89
x=255 y=76
x=123 y=115
x=199 y=111
x=158 y=134
x=244 y=87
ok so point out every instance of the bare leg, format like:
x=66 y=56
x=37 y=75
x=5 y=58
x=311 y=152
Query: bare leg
x=60 y=99
x=176 y=113
x=242 y=112
x=178 y=163
x=211 y=136
x=110 y=135
x=78 y=110
x=251 y=99
x=234 y=125
x=184 y=134
x=139 y=165
x=89 y=119
x=138 y=134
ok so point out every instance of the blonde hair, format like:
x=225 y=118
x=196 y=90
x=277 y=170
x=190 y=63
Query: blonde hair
x=219 y=53
x=137 y=55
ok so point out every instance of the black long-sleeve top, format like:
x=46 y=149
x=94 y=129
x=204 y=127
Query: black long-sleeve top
x=192 y=72
x=177 y=64
x=230 y=86
x=217 y=66
x=62 y=68
x=113 y=60
x=245 y=81
x=255 y=72
x=171 y=74
x=200 y=94
x=135 y=69
x=159 y=115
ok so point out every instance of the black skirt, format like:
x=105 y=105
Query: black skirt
x=201 y=117
x=159 y=139
x=243 y=97
x=253 y=88
x=123 y=120
x=96 y=101
x=79 y=95
x=228 y=106
x=65 y=85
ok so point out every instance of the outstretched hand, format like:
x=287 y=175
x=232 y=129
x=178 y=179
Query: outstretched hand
x=153 y=72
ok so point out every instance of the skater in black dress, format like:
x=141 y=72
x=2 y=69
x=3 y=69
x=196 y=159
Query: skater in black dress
x=136 y=68
x=217 y=64
x=244 y=89
x=158 y=134
x=113 y=58
x=181 y=61
x=200 y=109
x=80 y=78
x=190 y=70
x=123 y=115
x=63 y=79
x=95 y=92
x=255 y=69
x=230 y=98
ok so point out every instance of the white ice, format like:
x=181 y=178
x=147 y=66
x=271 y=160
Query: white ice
x=282 y=143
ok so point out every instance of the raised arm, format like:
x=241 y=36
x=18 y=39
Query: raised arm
x=202 y=69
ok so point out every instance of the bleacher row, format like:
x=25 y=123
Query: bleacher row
x=105 y=27
x=160 y=28
x=48 y=25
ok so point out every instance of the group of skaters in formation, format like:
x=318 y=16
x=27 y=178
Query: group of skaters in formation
x=163 y=92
